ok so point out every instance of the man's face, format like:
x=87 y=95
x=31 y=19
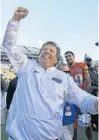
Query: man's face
x=48 y=54
x=96 y=68
x=88 y=62
x=69 y=58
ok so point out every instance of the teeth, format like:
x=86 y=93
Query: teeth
x=45 y=55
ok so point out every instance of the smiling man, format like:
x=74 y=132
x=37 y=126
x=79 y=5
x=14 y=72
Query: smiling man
x=79 y=72
x=49 y=54
x=37 y=107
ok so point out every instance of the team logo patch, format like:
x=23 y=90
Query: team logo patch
x=68 y=111
x=59 y=81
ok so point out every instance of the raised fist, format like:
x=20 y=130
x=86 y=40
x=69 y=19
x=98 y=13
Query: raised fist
x=20 y=13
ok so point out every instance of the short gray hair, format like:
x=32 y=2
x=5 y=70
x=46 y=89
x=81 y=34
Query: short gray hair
x=54 y=44
x=61 y=64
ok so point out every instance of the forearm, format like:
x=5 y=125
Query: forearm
x=90 y=105
x=15 y=55
x=9 y=43
x=13 y=52
x=87 y=84
x=85 y=101
x=87 y=81
x=11 y=34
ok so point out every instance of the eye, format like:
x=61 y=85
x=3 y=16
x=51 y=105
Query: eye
x=51 y=50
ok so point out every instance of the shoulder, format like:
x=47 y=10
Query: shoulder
x=64 y=76
x=81 y=65
x=60 y=73
x=30 y=64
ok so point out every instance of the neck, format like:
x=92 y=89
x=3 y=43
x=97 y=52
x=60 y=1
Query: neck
x=71 y=64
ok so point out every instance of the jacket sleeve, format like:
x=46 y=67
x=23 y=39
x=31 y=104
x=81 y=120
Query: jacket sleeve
x=13 y=52
x=85 y=101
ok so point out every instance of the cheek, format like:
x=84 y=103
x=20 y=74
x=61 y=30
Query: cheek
x=67 y=59
x=70 y=59
x=55 y=59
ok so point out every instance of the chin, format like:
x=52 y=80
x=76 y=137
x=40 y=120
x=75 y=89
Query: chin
x=70 y=63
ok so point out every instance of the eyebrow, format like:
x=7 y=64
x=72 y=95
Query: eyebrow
x=68 y=55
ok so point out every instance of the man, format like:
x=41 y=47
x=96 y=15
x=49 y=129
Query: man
x=94 y=89
x=79 y=72
x=93 y=76
x=96 y=68
x=37 y=107
x=69 y=112
x=10 y=92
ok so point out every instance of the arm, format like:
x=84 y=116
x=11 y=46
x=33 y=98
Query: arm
x=94 y=83
x=16 y=57
x=87 y=81
x=85 y=101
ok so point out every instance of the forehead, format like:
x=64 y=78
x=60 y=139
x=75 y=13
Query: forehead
x=50 y=46
x=68 y=54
